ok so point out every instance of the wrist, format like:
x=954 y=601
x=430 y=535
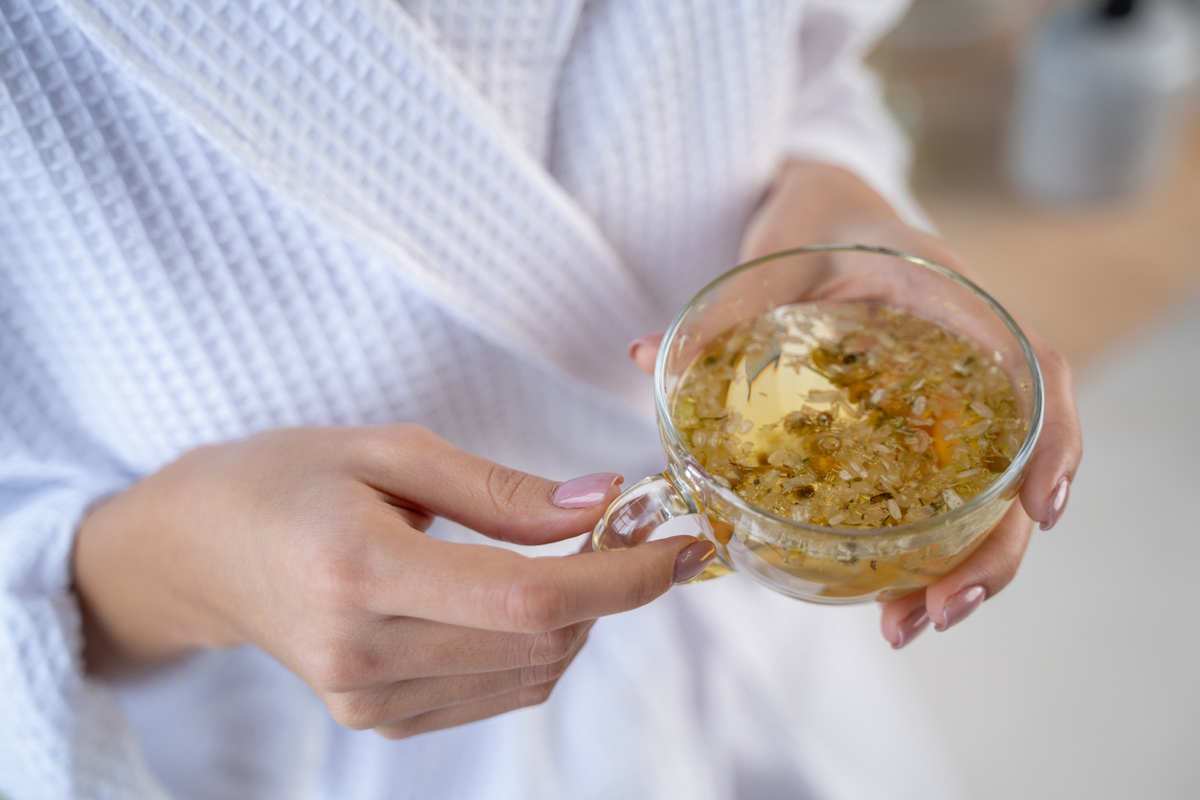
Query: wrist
x=810 y=203
x=832 y=196
x=130 y=573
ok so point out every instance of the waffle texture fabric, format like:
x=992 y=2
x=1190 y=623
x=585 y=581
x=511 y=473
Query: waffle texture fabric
x=223 y=216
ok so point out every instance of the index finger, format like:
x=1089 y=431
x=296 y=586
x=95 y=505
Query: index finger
x=1059 y=449
x=493 y=589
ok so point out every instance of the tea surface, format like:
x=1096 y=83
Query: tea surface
x=849 y=415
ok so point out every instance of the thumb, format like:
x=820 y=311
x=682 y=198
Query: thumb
x=422 y=470
x=644 y=351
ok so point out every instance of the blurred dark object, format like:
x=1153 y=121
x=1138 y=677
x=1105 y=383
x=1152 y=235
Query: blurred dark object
x=1085 y=275
x=1098 y=105
x=951 y=71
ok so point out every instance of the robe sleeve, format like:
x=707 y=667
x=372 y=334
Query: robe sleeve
x=61 y=735
x=838 y=115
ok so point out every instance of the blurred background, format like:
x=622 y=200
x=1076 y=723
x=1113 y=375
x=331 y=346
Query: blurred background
x=1058 y=149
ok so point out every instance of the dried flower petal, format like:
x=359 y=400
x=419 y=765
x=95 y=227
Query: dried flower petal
x=994 y=463
x=982 y=409
x=952 y=499
x=893 y=509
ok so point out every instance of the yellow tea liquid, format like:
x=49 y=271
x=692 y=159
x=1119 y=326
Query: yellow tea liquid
x=849 y=415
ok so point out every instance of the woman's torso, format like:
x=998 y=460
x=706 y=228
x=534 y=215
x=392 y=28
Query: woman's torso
x=164 y=289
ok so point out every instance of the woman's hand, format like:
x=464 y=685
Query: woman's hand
x=309 y=543
x=819 y=204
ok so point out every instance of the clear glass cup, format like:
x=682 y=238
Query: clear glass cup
x=809 y=562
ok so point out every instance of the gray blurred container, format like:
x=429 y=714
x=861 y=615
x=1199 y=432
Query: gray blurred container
x=1099 y=100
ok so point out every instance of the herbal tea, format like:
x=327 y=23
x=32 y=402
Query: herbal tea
x=849 y=415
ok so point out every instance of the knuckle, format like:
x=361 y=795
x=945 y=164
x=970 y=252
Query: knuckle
x=536 y=695
x=336 y=579
x=395 y=731
x=330 y=565
x=536 y=675
x=535 y=607
x=338 y=667
x=353 y=710
x=1056 y=429
x=407 y=430
x=1065 y=438
x=550 y=672
x=646 y=587
x=1006 y=565
x=999 y=582
x=551 y=646
x=382 y=448
x=1054 y=361
x=412 y=436
x=558 y=669
x=504 y=486
x=1009 y=566
x=639 y=586
x=374 y=452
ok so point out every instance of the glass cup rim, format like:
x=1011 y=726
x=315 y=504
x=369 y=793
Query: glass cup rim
x=997 y=487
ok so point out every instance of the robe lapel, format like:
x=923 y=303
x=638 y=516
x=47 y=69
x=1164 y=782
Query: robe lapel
x=350 y=111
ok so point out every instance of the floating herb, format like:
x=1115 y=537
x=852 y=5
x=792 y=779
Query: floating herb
x=893 y=418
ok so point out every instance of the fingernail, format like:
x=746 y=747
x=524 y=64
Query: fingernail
x=910 y=627
x=1058 y=501
x=960 y=606
x=693 y=559
x=639 y=342
x=586 y=491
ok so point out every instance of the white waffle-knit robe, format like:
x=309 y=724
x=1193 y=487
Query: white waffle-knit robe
x=220 y=216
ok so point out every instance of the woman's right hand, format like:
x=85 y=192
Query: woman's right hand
x=310 y=543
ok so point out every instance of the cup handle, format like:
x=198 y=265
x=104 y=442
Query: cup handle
x=651 y=508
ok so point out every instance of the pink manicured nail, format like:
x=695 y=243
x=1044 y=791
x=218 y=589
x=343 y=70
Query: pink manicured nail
x=960 y=606
x=1058 y=501
x=642 y=341
x=692 y=559
x=586 y=491
x=910 y=627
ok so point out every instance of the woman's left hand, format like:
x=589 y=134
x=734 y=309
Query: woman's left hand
x=817 y=204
